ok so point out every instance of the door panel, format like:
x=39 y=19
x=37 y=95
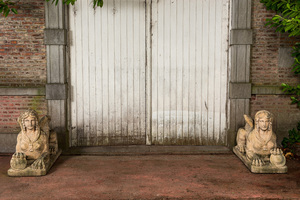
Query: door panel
x=108 y=73
x=189 y=71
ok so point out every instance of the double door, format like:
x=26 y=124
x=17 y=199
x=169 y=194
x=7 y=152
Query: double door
x=151 y=72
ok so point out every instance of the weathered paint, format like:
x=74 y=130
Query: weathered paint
x=189 y=71
x=108 y=73
x=186 y=72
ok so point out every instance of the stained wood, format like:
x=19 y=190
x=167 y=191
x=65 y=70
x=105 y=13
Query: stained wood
x=108 y=73
x=189 y=86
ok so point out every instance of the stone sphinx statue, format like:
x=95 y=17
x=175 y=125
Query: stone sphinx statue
x=37 y=147
x=256 y=145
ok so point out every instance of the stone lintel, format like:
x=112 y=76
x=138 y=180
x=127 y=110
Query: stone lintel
x=240 y=90
x=19 y=91
x=55 y=37
x=267 y=90
x=241 y=37
x=56 y=91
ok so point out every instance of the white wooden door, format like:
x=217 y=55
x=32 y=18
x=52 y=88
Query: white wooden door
x=188 y=53
x=189 y=71
x=108 y=73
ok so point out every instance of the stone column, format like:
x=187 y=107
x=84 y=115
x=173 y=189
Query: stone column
x=240 y=50
x=56 y=87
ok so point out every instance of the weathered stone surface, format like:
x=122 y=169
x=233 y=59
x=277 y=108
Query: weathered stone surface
x=256 y=145
x=265 y=169
x=37 y=146
x=285 y=59
x=56 y=91
x=55 y=37
x=28 y=171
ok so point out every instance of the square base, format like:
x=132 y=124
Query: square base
x=34 y=172
x=266 y=169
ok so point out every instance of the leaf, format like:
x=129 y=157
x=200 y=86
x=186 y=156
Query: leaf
x=14 y=10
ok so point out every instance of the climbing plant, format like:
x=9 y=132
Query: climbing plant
x=287 y=20
x=7 y=6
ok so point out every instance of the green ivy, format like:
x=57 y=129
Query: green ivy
x=287 y=20
x=294 y=137
x=6 y=7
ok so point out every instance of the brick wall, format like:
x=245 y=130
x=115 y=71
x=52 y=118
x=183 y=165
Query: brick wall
x=22 y=61
x=265 y=70
x=22 y=53
x=11 y=106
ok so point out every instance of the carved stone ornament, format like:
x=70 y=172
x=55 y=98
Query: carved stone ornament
x=256 y=145
x=37 y=147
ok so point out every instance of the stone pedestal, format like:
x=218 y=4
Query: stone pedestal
x=268 y=168
x=28 y=171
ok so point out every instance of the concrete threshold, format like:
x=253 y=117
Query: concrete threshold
x=147 y=150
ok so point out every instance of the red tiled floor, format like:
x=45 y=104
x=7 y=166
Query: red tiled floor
x=151 y=177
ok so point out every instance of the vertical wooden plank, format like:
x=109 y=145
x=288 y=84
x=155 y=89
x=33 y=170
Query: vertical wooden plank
x=79 y=71
x=179 y=70
x=92 y=77
x=99 y=78
x=211 y=71
x=105 y=64
x=166 y=73
x=142 y=67
x=154 y=76
x=192 y=72
x=149 y=91
x=136 y=70
x=73 y=78
x=130 y=75
x=85 y=74
x=173 y=65
x=124 y=63
x=185 y=70
x=111 y=72
x=218 y=69
x=224 y=69
x=118 y=75
x=160 y=69
x=198 y=73
x=205 y=70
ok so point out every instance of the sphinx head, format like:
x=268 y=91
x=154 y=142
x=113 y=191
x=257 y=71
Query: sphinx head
x=263 y=120
x=29 y=120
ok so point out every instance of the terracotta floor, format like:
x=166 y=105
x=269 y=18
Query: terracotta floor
x=151 y=177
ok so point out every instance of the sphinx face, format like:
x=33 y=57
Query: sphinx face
x=30 y=122
x=264 y=123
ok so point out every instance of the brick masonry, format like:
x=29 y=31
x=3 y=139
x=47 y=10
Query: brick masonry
x=265 y=70
x=22 y=61
x=22 y=49
x=12 y=106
